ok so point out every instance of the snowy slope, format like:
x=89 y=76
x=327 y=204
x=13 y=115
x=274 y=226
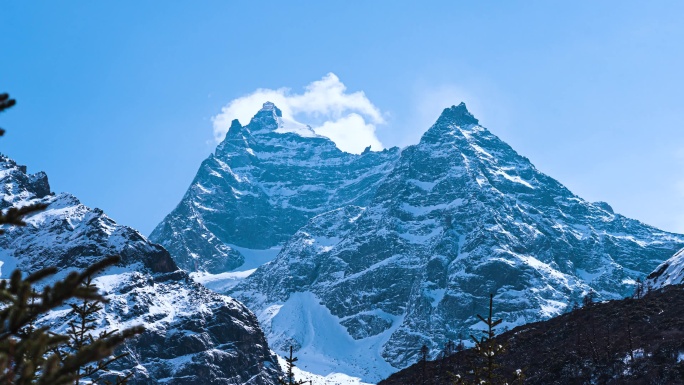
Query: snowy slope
x=263 y=183
x=193 y=336
x=460 y=215
x=329 y=379
x=670 y=272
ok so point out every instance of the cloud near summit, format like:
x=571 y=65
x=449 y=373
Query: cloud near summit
x=348 y=119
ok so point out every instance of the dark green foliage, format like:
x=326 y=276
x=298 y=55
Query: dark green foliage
x=14 y=216
x=80 y=336
x=290 y=380
x=5 y=103
x=30 y=355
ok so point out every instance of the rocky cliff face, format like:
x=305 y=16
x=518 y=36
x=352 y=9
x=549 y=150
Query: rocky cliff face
x=193 y=336
x=263 y=183
x=459 y=216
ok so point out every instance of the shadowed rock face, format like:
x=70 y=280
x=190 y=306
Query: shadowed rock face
x=670 y=272
x=263 y=183
x=460 y=215
x=193 y=336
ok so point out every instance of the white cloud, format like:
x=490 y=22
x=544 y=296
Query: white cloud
x=348 y=119
x=351 y=129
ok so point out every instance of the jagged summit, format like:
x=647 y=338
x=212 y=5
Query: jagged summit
x=235 y=125
x=269 y=106
x=263 y=182
x=454 y=125
x=458 y=115
x=267 y=118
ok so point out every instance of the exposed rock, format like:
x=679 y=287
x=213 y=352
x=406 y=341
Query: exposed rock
x=264 y=182
x=460 y=215
x=193 y=336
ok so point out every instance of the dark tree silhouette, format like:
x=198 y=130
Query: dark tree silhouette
x=5 y=103
x=290 y=378
x=638 y=289
x=589 y=298
x=488 y=350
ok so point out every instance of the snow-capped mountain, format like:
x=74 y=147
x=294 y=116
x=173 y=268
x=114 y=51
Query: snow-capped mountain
x=670 y=272
x=193 y=336
x=263 y=183
x=360 y=288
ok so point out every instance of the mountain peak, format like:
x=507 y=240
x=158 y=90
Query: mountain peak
x=266 y=119
x=271 y=107
x=458 y=115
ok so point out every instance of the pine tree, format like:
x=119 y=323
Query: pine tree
x=424 y=351
x=638 y=289
x=28 y=353
x=80 y=334
x=589 y=298
x=290 y=375
x=461 y=345
x=449 y=349
x=488 y=350
x=487 y=347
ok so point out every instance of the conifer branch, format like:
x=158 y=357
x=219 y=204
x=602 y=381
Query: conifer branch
x=15 y=215
x=5 y=103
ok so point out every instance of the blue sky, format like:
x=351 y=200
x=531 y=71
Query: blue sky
x=116 y=100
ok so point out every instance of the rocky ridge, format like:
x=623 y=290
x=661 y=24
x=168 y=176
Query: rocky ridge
x=192 y=334
x=263 y=183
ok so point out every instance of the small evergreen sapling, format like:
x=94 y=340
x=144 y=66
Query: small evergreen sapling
x=424 y=351
x=290 y=375
x=81 y=334
x=638 y=289
x=589 y=298
x=488 y=350
x=449 y=349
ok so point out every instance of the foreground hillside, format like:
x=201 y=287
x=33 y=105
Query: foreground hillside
x=626 y=342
